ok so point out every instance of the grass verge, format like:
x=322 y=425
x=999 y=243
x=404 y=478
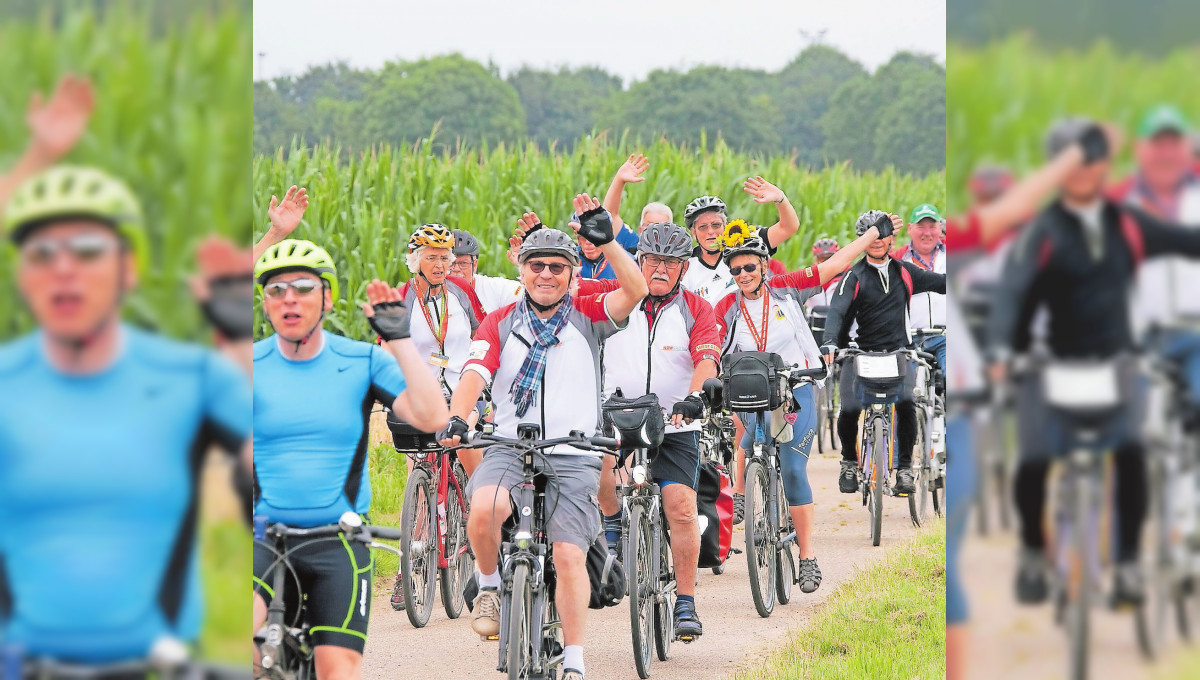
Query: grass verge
x=225 y=568
x=889 y=621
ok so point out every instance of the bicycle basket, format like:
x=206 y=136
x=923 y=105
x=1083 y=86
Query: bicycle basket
x=637 y=423
x=408 y=439
x=753 y=382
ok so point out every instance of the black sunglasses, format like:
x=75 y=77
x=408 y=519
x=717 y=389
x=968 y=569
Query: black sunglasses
x=747 y=267
x=556 y=268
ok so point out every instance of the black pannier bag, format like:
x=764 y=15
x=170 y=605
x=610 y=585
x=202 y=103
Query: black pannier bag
x=408 y=439
x=753 y=382
x=636 y=423
x=882 y=377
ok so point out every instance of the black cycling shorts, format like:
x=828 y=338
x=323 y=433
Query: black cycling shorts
x=678 y=459
x=335 y=575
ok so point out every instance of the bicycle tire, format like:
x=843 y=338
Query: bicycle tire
x=519 y=656
x=453 y=578
x=719 y=569
x=1150 y=619
x=664 y=604
x=641 y=588
x=879 y=452
x=918 y=500
x=418 y=522
x=785 y=562
x=760 y=545
x=1079 y=585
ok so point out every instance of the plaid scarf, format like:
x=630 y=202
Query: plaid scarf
x=545 y=335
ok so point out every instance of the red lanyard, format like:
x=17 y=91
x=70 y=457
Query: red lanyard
x=759 y=341
x=601 y=263
x=439 y=335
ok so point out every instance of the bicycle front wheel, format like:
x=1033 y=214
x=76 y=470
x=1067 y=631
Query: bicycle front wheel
x=519 y=635
x=460 y=562
x=418 y=548
x=785 y=562
x=879 y=452
x=1079 y=583
x=760 y=539
x=918 y=501
x=641 y=587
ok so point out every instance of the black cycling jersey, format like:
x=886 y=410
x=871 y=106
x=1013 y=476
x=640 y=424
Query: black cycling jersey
x=880 y=311
x=1087 y=298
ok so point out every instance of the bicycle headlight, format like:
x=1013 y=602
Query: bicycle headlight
x=639 y=475
x=523 y=539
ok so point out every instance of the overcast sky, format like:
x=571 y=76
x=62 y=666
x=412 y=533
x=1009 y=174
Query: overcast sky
x=629 y=38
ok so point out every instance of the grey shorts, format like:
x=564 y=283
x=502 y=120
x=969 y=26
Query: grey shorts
x=570 y=491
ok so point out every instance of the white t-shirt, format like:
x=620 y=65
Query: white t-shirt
x=494 y=292
x=1166 y=286
x=784 y=326
x=458 y=336
x=926 y=310
x=710 y=283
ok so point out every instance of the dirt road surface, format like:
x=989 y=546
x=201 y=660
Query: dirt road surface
x=734 y=634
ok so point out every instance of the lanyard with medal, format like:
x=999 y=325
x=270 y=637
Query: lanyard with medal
x=759 y=341
x=439 y=357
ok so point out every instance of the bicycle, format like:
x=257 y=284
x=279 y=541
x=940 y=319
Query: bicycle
x=434 y=523
x=881 y=381
x=827 y=408
x=770 y=532
x=168 y=659
x=530 y=639
x=716 y=441
x=285 y=647
x=929 y=460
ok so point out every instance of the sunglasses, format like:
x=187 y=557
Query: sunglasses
x=749 y=268
x=278 y=289
x=82 y=248
x=655 y=262
x=556 y=268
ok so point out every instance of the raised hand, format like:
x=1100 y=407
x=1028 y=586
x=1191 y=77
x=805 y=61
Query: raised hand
x=58 y=124
x=224 y=287
x=386 y=312
x=763 y=191
x=594 y=225
x=286 y=214
x=631 y=170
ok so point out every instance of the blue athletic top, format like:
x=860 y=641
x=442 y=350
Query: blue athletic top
x=310 y=428
x=98 y=493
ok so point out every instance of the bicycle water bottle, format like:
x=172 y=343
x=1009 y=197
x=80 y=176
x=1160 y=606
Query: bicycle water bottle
x=442 y=517
x=938 y=434
x=260 y=527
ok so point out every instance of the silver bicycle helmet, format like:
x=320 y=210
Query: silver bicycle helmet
x=665 y=239
x=548 y=241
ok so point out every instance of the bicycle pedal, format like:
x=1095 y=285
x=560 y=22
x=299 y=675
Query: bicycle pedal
x=490 y=638
x=686 y=639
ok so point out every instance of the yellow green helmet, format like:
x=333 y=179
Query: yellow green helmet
x=294 y=255
x=76 y=192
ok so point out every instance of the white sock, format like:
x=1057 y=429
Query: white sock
x=491 y=580
x=573 y=657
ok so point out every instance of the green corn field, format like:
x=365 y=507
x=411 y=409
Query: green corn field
x=363 y=208
x=173 y=118
x=1003 y=97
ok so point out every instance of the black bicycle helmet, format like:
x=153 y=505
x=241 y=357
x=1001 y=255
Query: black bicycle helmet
x=465 y=244
x=1065 y=132
x=702 y=204
x=665 y=239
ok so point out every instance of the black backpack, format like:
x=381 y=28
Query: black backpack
x=752 y=382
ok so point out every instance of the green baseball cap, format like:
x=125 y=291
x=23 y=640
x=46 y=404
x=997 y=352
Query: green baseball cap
x=922 y=211
x=1163 y=118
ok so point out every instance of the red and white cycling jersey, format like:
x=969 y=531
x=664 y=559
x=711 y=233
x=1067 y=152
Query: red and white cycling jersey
x=659 y=349
x=787 y=332
x=446 y=359
x=569 y=394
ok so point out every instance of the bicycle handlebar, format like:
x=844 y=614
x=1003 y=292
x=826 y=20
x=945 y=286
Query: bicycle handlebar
x=576 y=439
x=363 y=533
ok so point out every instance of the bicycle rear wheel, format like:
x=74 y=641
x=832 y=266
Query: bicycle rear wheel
x=664 y=605
x=520 y=635
x=918 y=501
x=760 y=543
x=460 y=560
x=785 y=563
x=641 y=588
x=419 y=549
x=879 y=452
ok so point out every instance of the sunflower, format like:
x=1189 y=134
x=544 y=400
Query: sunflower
x=735 y=233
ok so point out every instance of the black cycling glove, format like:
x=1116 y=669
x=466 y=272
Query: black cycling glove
x=390 y=320
x=884 y=225
x=691 y=407
x=596 y=226
x=457 y=427
x=1094 y=143
x=230 y=306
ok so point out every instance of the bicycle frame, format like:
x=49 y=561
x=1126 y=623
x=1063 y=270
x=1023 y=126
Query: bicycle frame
x=438 y=464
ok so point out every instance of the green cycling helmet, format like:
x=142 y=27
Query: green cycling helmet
x=293 y=255
x=76 y=192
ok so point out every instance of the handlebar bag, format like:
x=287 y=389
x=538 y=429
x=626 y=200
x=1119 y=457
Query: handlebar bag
x=408 y=439
x=880 y=376
x=753 y=382
x=636 y=423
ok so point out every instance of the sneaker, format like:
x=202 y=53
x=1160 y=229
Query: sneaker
x=571 y=674
x=1032 y=586
x=487 y=613
x=848 y=478
x=810 y=575
x=398 y=594
x=687 y=623
x=1128 y=585
x=739 y=508
x=904 y=481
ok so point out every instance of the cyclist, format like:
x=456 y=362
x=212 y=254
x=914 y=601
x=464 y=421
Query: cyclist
x=823 y=249
x=1165 y=186
x=541 y=356
x=764 y=314
x=100 y=434
x=493 y=291
x=669 y=350
x=630 y=172
x=875 y=293
x=927 y=251
x=708 y=276
x=1078 y=260
x=310 y=444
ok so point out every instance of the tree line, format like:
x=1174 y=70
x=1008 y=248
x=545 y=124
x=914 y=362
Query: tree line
x=822 y=108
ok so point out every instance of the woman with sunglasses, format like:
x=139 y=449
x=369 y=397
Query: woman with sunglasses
x=764 y=314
